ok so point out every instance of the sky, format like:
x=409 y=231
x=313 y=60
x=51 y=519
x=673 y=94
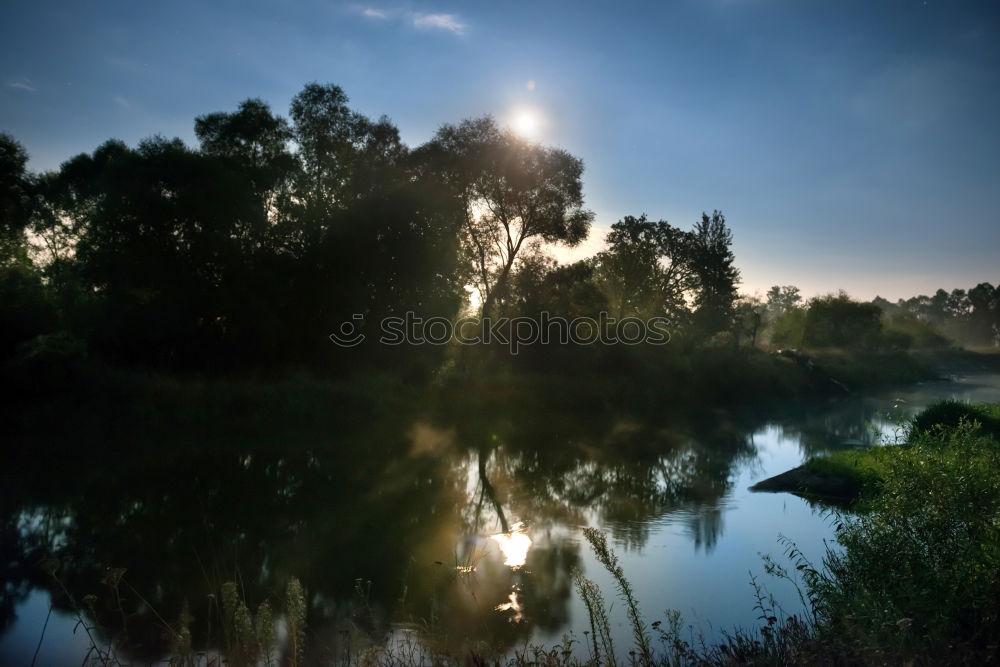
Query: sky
x=851 y=144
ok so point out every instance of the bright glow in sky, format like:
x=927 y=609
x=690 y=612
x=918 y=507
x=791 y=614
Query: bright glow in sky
x=525 y=123
x=851 y=143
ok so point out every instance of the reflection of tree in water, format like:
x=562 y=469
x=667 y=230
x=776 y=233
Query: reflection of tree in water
x=384 y=503
x=824 y=428
x=403 y=502
x=613 y=472
x=209 y=512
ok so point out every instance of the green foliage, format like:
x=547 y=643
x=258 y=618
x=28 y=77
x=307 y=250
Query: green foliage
x=714 y=267
x=917 y=575
x=970 y=316
x=250 y=638
x=788 y=328
x=950 y=414
x=781 y=299
x=295 y=605
x=749 y=320
x=905 y=330
x=511 y=193
x=860 y=468
x=602 y=646
x=16 y=195
x=26 y=310
x=837 y=321
x=646 y=270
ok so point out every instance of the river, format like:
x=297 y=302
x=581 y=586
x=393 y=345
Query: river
x=454 y=527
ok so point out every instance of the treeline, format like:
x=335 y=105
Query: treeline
x=970 y=317
x=250 y=249
x=836 y=321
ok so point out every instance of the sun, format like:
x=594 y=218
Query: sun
x=526 y=123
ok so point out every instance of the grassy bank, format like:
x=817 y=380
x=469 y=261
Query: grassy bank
x=867 y=470
x=915 y=579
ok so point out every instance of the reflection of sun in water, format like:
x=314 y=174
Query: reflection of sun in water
x=513 y=605
x=514 y=545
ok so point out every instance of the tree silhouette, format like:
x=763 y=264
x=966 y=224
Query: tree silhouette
x=512 y=192
x=713 y=265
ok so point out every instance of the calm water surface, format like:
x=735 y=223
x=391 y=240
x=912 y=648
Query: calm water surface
x=460 y=526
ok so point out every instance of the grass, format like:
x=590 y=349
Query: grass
x=868 y=469
x=916 y=580
x=950 y=414
x=863 y=469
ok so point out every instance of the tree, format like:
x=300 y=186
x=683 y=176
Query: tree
x=781 y=299
x=750 y=315
x=511 y=192
x=167 y=242
x=338 y=147
x=713 y=266
x=837 y=321
x=16 y=200
x=25 y=310
x=646 y=270
x=984 y=318
x=541 y=284
x=257 y=142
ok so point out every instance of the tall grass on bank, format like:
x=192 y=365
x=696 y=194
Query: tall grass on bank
x=602 y=645
x=607 y=558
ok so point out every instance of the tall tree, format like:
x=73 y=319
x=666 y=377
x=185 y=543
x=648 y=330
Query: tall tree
x=16 y=199
x=646 y=270
x=750 y=316
x=782 y=298
x=713 y=265
x=24 y=309
x=338 y=147
x=984 y=319
x=512 y=192
x=256 y=140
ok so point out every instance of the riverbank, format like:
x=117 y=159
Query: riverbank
x=59 y=387
x=913 y=580
x=846 y=476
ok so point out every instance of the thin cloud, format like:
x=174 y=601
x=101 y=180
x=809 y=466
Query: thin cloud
x=372 y=13
x=122 y=102
x=448 y=22
x=122 y=63
x=24 y=85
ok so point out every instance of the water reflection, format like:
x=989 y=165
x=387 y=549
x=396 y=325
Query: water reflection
x=514 y=545
x=463 y=513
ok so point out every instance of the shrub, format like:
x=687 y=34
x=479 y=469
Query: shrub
x=917 y=577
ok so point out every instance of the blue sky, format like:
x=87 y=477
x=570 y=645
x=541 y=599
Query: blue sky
x=851 y=144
